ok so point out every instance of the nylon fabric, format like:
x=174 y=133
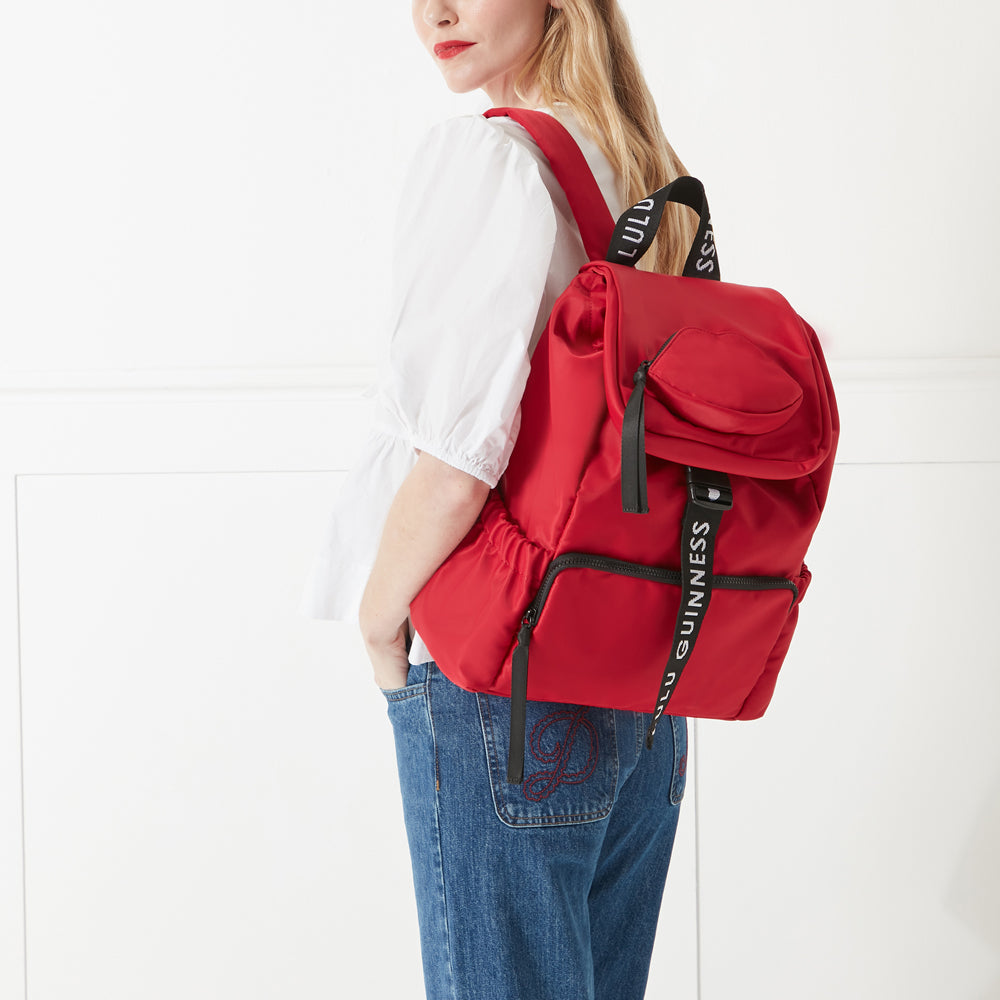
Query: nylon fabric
x=736 y=383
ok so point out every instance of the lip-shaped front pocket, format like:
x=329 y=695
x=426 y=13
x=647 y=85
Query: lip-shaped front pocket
x=721 y=381
x=734 y=378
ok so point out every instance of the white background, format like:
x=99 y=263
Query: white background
x=197 y=789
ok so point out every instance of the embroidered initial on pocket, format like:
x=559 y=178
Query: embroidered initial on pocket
x=570 y=766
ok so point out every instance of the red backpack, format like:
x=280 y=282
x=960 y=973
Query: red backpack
x=644 y=549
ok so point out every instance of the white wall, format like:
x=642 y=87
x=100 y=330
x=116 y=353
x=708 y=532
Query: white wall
x=194 y=203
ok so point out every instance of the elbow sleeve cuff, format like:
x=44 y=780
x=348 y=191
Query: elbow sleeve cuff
x=464 y=463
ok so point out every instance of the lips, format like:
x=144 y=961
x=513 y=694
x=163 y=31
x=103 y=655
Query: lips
x=448 y=50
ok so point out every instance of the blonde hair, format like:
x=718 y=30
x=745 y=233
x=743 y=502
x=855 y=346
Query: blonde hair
x=586 y=60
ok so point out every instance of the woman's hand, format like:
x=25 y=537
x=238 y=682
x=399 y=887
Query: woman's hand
x=432 y=512
x=389 y=660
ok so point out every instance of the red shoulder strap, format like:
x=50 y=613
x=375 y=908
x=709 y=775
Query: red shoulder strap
x=573 y=174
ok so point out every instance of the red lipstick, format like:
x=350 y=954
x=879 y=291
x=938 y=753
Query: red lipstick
x=448 y=50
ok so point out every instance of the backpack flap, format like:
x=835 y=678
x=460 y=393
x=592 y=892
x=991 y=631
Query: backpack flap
x=730 y=377
x=714 y=375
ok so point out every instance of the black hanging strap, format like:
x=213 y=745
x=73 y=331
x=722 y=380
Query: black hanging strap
x=634 y=446
x=634 y=499
x=519 y=700
x=710 y=495
x=637 y=226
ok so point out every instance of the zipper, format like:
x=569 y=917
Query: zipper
x=633 y=459
x=639 y=376
x=607 y=564
x=643 y=370
x=662 y=348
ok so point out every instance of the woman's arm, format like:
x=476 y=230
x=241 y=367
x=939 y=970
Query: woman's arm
x=433 y=511
x=474 y=242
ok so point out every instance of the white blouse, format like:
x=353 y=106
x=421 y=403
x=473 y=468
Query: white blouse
x=484 y=244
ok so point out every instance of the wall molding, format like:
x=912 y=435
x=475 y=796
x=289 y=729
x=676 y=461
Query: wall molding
x=917 y=373
x=214 y=382
x=893 y=411
x=352 y=380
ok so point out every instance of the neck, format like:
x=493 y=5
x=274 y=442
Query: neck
x=503 y=95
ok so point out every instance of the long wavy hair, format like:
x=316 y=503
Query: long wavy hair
x=587 y=61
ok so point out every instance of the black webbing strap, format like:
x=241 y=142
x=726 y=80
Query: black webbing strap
x=634 y=446
x=710 y=495
x=519 y=701
x=637 y=226
x=634 y=234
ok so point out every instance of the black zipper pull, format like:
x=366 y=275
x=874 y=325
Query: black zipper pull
x=634 y=446
x=519 y=698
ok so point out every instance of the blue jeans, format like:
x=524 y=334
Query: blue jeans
x=548 y=890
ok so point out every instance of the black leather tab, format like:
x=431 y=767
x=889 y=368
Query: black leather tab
x=708 y=489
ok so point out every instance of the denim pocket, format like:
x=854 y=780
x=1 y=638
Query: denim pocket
x=570 y=762
x=416 y=683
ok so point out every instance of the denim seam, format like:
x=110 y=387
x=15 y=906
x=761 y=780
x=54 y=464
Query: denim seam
x=678 y=782
x=489 y=743
x=401 y=694
x=437 y=830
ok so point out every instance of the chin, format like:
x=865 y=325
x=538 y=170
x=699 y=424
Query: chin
x=458 y=86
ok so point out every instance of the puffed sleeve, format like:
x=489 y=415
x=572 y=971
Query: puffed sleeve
x=475 y=236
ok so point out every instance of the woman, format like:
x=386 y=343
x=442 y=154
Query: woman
x=551 y=889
